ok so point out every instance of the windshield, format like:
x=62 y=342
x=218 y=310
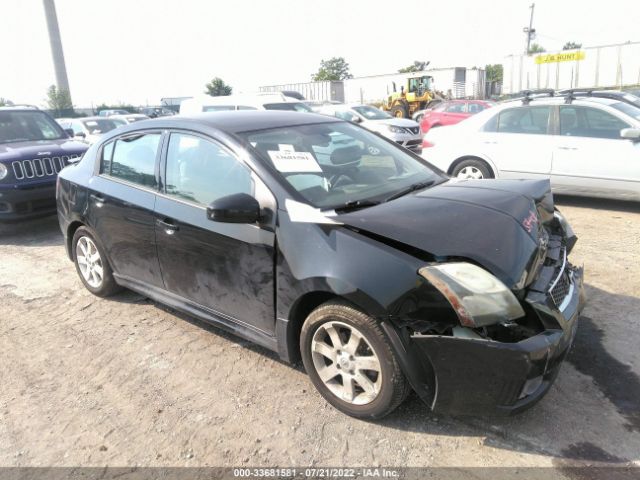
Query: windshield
x=371 y=113
x=100 y=125
x=332 y=164
x=293 y=106
x=24 y=126
x=628 y=109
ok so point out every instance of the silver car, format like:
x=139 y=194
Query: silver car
x=401 y=130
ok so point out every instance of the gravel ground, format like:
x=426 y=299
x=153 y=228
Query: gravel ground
x=124 y=381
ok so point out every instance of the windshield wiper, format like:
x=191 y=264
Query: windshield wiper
x=354 y=205
x=409 y=189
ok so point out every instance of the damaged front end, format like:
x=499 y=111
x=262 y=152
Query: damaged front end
x=501 y=350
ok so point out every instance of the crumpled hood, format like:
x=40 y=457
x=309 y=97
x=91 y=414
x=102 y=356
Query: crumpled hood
x=42 y=148
x=491 y=222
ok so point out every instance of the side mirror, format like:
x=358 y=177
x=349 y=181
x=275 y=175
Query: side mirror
x=630 y=133
x=81 y=135
x=236 y=208
x=356 y=119
x=69 y=131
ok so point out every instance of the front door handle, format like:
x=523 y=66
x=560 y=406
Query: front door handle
x=567 y=148
x=169 y=227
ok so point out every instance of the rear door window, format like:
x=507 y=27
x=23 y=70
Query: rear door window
x=132 y=158
x=528 y=120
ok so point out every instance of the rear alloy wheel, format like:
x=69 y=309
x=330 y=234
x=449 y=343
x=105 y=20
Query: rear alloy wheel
x=472 y=169
x=350 y=362
x=91 y=264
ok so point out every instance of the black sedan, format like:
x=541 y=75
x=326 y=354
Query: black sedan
x=323 y=241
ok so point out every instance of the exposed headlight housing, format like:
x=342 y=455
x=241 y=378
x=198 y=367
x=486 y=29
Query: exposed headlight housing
x=478 y=298
x=394 y=129
x=3 y=171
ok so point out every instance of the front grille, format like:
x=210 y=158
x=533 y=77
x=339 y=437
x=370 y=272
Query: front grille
x=40 y=167
x=414 y=143
x=561 y=285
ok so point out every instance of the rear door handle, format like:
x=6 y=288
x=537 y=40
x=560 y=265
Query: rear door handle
x=98 y=199
x=169 y=227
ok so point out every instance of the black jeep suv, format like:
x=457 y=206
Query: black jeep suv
x=33 y=150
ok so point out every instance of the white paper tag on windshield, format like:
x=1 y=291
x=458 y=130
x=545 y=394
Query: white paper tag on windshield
x=283 y=147
x=287 y=162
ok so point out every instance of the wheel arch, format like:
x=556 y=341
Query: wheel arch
x=288 y=329
x=483 y=159
x=71 y=230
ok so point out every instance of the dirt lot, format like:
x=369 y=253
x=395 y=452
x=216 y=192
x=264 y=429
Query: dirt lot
x=124 y=381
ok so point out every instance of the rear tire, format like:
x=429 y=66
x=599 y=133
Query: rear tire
x=350 y=362
x=91 y=263
x=472 y=168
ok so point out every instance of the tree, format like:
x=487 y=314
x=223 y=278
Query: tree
x=59 y=101
x=572 y=46
x=417 y=66
x=494 y=72
x=217 y=88
x=335 y=68
x=535 y=48
x=5 y=102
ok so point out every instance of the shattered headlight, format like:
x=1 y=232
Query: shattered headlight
x=570 y=236
x=3 y=171
x=478 y=298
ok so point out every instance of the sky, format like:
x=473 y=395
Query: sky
x=138 y=51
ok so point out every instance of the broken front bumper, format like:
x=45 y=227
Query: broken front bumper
x=486 y=377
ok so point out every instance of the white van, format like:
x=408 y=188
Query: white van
x=266 y=101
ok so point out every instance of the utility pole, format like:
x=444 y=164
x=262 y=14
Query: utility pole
x=530 y=31
x=56 y=46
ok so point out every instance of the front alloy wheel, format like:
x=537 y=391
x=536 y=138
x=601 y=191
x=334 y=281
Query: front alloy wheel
x=346 y=363
x=350 y=361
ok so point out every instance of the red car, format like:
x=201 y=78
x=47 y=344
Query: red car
x=452 y=112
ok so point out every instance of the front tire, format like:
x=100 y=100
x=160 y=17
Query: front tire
x=91 y=264
x=472 y=169
x=350 y=362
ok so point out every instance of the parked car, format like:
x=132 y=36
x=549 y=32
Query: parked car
x=378 y=271
x=403 y=131
x=155 y=112
x=263 y=101
x=318 y=105
x=33 y=149
x=113 y=111
x=585 y=145
x=418 y=114
x=129 y=118
x=452 y=112
x=626 y=96
x=89 y=129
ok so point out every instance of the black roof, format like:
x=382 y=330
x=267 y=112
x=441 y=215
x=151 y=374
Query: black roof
x=234 y=121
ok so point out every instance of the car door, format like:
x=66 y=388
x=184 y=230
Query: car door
x=518 y=141
x=226 y=268
x=121 y=202
x=590 y=155
x=453 y=113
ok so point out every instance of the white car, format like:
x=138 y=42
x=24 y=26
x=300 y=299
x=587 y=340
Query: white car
x=128 y=118
x=88 y=129
x=403 y=131
x=259 y=101
x=586 y=145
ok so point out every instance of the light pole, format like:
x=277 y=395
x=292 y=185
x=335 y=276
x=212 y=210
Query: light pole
x=530 y=31
x=56 y=46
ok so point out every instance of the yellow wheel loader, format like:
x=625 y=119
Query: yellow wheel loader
x=413 y=96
